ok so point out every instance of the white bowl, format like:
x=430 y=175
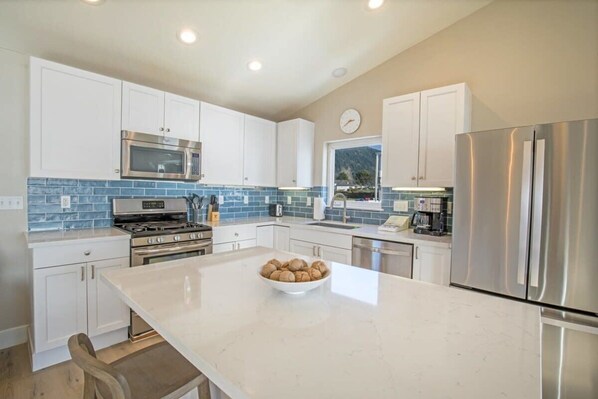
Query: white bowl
x=295 y=288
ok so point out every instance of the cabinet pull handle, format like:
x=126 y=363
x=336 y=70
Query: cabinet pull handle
x=93 y=272
x=422 y=178
x=319 y=252
x=82 y=273
x=413 y=178
x=416 y=252
x=116 y=170
x=87 y=253
x=313 y=250
x=238 y=245
x=233 y=246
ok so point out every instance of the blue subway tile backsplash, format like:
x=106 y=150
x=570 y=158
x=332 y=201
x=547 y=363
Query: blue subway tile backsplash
x=91 y=201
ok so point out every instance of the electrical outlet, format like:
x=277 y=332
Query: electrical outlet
x=65 y=201
x=449 y=207
x=308 y=201
x=221 y=199
x=289 y=200
x=245 y=199
x=400 y=206
x=267 y=199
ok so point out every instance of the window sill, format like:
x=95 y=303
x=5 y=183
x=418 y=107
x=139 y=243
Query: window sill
x=368 y=207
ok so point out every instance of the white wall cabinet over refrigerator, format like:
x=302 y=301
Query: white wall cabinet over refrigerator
x=71 y=298
x=148 y=110
x=74 y=122
x=295 y=153
x=418 y=133
x=432 y=264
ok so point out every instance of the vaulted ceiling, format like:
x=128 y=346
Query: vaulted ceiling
x=299 y=42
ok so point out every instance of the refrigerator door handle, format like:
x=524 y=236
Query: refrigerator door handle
x=537 y=212
x=526 y=182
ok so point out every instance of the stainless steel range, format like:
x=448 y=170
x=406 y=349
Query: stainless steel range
x=159 y=232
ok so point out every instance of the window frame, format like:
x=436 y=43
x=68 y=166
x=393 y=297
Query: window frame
x=331 y=147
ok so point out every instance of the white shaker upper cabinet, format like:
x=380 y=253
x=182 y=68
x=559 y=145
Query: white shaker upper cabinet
x=295 y=157
x=445 y=112
x=221 y=134
x=259 y=157
x=142 y=109
x=181 y=117
x=74 y=122
x=400 y=140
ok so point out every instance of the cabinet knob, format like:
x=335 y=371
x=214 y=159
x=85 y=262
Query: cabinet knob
x=167 y=129
x=236 y=234
x=203 y=175
x=294 y=181
x=161 y=129
x=421 y=178
x=116 y=170
x=247 y=178
x=87 y=253
x=412 y=177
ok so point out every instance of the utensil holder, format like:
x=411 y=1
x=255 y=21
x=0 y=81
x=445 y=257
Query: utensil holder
x=198 y=216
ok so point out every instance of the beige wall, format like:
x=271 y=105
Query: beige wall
x=525 y=62
x=14 y=271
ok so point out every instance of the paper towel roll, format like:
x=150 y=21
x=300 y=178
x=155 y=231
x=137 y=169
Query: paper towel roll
x=319 y=208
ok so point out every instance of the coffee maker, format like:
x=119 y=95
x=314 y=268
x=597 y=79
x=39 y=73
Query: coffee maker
x=430 y=216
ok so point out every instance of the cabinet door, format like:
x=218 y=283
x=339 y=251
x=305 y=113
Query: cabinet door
x=181 y=117
x=400 y=140
x=246 y=244
x=60 y=305
x=334 y=254
x=444 y=113
x=142 y=109
x=432 y=264
x=305 y=153
x=224 y=247
x=259 y=159
x=265 y=236
x=286 y=163
x=74 y=122
x=303 y=248
x=221 y=135
x=282 y=238
x=105 y=311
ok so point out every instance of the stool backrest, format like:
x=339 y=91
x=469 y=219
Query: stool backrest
x=95 y=371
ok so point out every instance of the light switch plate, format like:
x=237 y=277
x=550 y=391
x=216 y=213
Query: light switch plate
x=400 y=206
x=289 y=200
x=245 y=199
x=65 y=201
x=267 y=199
x=221 y=199
x=308 y=201
x=11 y=203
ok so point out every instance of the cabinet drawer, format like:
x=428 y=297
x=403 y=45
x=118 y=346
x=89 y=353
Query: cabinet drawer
x=222 y=234
x=321 y=237
x=79 y=252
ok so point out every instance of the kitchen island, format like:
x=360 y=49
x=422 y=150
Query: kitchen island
x=360 y=335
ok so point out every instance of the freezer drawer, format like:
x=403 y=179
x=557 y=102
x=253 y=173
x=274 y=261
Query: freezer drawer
x=383 y=256
x=569 y=360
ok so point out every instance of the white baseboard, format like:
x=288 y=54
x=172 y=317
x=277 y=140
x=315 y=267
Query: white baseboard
x=13 y=336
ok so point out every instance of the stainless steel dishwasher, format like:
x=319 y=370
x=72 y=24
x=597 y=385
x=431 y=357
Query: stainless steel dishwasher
x=383 y=256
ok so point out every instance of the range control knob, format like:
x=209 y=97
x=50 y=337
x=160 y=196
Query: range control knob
x=192 y=236
x=159 y=240
x=150 y=240
x=177 y=238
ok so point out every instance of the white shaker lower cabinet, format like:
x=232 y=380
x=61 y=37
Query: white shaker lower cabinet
x=324 y=252
x=432 y=264
x=70 y=299
x=282 y=238
x=265 y=236
x=233 y=238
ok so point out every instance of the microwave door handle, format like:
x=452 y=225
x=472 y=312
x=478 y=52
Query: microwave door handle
x=172 y=249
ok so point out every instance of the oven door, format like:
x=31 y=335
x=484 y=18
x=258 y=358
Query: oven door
x=141 y=159
x=165 y=252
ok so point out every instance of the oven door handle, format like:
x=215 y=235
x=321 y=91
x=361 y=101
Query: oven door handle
x=142 y=252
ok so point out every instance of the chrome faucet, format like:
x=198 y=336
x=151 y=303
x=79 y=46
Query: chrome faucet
x=343 y=197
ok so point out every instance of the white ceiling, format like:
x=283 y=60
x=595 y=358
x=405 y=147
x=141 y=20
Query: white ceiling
x=299 y=42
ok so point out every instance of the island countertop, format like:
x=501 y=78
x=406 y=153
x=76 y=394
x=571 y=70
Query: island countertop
x=361 y=335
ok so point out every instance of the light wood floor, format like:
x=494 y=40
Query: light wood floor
x=62 y=381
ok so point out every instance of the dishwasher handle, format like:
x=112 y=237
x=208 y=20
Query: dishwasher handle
x=382 y=250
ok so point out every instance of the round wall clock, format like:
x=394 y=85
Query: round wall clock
x=350 y=121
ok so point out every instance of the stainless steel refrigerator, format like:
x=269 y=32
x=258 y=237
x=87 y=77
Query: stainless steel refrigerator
x=525 y=225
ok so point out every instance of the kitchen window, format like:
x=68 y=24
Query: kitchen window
x=354 y=170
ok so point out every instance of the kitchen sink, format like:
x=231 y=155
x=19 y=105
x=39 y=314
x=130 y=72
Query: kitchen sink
x=334 y=225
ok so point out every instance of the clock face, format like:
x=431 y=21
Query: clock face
x=350 y=121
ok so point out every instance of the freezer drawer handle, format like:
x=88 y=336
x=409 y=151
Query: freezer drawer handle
x=382 y=251
x=537 y=213
x=526 y=177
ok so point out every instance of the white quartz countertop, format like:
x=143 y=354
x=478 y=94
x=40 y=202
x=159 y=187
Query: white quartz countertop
x=361 y=335
x=60 y=237
x=362 y=230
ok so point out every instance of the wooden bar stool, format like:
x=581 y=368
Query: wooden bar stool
x=158 y=371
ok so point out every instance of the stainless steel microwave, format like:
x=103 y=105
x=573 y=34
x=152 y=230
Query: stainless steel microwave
x=148 y=156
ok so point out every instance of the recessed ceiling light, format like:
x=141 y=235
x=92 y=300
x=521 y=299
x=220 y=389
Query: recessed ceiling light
x=93 y=2
x=339 y=72
x=373 y=4
x=187 y=36
x=254 y=65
